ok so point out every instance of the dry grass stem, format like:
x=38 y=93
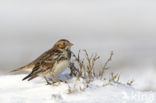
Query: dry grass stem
x=114 y=77
x=105 y=67
x=69 y=90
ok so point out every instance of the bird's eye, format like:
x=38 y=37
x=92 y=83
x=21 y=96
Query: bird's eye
x=64 y=44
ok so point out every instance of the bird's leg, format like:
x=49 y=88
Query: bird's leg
x=48 y=83
x=56 y=78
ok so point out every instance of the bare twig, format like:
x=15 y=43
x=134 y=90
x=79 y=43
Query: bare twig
x=105 y=65
x=69 y=90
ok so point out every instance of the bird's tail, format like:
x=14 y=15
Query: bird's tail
x=30 y=76
x=18 y=69
x=24 y=68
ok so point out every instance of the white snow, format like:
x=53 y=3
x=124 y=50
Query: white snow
x=14 y=90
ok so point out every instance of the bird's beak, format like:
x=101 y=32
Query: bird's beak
x=71 y=44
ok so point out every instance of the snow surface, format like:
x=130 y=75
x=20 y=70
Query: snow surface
x=14 y=90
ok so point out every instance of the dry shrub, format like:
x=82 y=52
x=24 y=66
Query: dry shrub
x=86 y=70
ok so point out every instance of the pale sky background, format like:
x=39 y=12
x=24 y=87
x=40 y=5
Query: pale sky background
x=29 y=27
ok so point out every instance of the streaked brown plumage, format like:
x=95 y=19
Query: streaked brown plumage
x=50 y=63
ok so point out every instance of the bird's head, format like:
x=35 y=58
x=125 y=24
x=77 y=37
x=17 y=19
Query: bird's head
x=63 y=44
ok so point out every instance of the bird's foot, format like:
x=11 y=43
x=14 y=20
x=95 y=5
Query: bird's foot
x=48 y=83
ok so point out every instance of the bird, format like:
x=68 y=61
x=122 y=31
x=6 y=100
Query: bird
x=51 y=63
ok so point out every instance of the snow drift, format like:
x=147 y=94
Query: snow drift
x=14 y=90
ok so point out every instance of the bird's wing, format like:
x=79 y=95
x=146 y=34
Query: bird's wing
x=42 y=68
x=43 y=65
x=49 y=55
x=42 y=57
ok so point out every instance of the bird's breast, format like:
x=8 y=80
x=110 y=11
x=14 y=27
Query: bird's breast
x=61 y=66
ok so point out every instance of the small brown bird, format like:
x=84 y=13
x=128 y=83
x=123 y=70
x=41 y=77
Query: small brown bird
x=50 y=63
